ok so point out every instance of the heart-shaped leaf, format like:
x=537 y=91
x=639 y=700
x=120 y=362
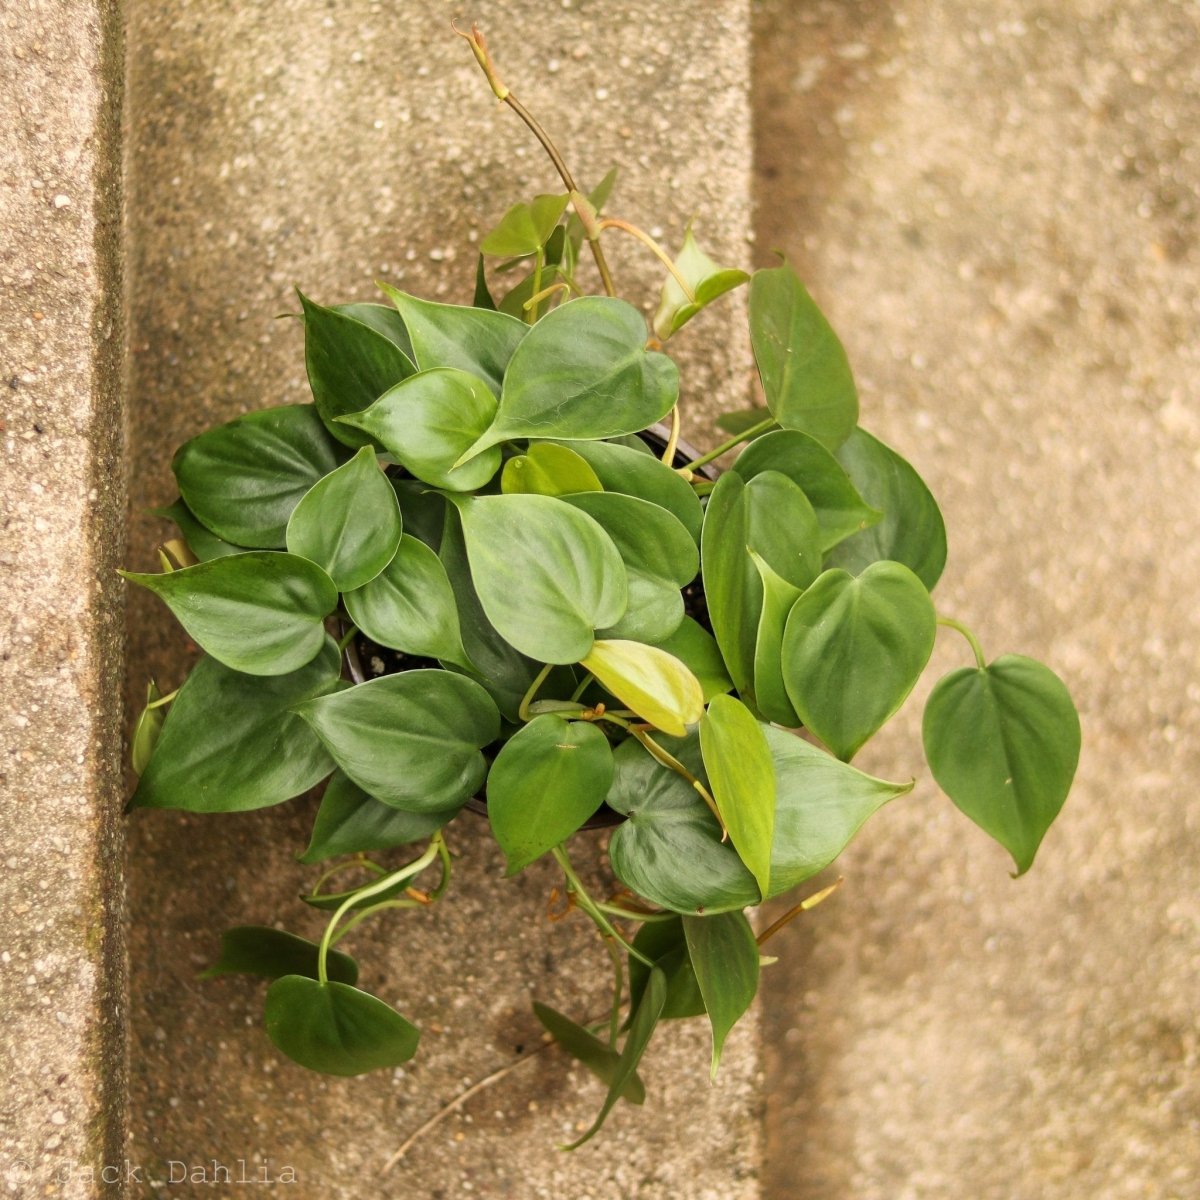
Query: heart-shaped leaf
x=410 y=606
x=350 y=364
x=336 y=1029
x=259 y=612
x=546 y=574
x=724 y=955
x=548 y=778
x=270 y=953
x=411 y=740
x=770 y=691
x=242 y=479
x=601 y=1059
x=653 y=683
x=554 y=268
x=659 y=555
x=384 y=320
x=854 y=648
x=469 y=339
x=428 y=421
x=803 y=368
x=911 y=532
x=548 y=469
x=204 y=761
x=348 y=523
x=424 y=511
x=697 y=649
x=1003 y=743
x=664 y=944
x=202 y=542
x=525 y=228
x=707 y=280
x=351 y=822
x=146 y=730
x=840 y=510
x=583 y=372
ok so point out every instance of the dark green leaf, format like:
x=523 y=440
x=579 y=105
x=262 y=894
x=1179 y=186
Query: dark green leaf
x=259 y=612
x=202 y=542
x=384 y=320
x=697 y=649
x=548 y=469
x=770 y=691
x=724 y=954
x=270 y=953
x=1003 y=743
x=424 y=511
x=146 y=730
x=664 y=944
x=602 y=1060
x=483 y=297
x=707 y=280
x=336 y=1029
x=525 y=228
x=743 y=419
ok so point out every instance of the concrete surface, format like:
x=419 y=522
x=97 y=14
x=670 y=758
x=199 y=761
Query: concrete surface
x=61 y=520
x=327 y=145
x=998 y=203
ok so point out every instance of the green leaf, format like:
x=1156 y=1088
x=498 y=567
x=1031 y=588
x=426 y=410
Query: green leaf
x=803 y=368
x=483 y=297
x=336 y=1029
x=202 y=542
x=641 y=1029
x=840 y=510
x=771 y=516
x=229 y=742
x=525 y=228
x=660 y=558
x=1003 y=743
x=663 y=942
x=707 y=280
x=350 y=364
x=546 y=781
x=348 y=523
x=632 y=472
x=743 y=419
x=424 y=511
x=546 y=574
x=724 y=954
x=474 y=340
x=854 y=648
x=770 y=691
x=411 y=740
x=548 y=469
x=429 y=420
x=384 y=320
x=146 y=730
x=410 y=606
x=601 y=1059
x=653 y=683
x=517 y=297
x=242 y=479
x=583 y=372
x=911 y=532
x=742 y=782
x=259 y=612
x=697 y=649
x=270 y=953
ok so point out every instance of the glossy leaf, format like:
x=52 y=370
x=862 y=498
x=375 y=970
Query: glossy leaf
x=525 y=228
x=483 y=296
x=546 y=574
x=854 y=648
x=411 y=740
x=840 y=510
x=597 y=1056
x=653 y=683
x=548 y=778
x=258 y=612
x=241 y=480
x=770 y=691
x=724 y=955
x=335 y=1028
x=1003 y=743
x=348 y=523
x=707 y=280
x=803 y=368
x=474 y=340
x=663 y=942
x=410 y=606
x=583 y=372
x=350 y=365
x=742 y=781
x=911 y=531
x=423 y=510
x=384 y=320
x=429 y=420
x=202 y=542
x=269 y=953
x=548 y=469
x=351 y=822
x=697 y=649
x=146 y=730
x=205 y=762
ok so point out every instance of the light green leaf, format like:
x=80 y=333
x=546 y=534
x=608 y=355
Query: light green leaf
x=770 y=691
x=242 y=479
x=259 y=612
x=601 y=1059
x=269 y=953
x=1003 y=743
x=653 y=683
x=548 y=778
x=336 y=1029
x=204 y=761
x=801 y=363
x=348 y=523
x=146 y=730
x=742 y=781
x=697 y=649
x=707 y=280
x=525 y=227
x=547 y=469
x=724 y=955
x=411 y=740
x=854 y=648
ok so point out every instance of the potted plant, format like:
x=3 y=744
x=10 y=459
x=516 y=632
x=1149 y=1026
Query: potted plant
x=481 y=570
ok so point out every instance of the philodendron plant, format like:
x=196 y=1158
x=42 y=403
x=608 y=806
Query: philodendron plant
x=550 y=605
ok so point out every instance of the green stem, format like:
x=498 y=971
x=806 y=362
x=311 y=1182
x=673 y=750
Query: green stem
x=538 y=680
x=647 y=241
x=583 y=686
x=365 y=863
x=349 y=636
x=363 y=913
x=669 y=760
x=531 y=314
x=976 y=648
x=630 y=914
x=724 y=447
x=614 y=1018
x=162 y=700
x=591 y=907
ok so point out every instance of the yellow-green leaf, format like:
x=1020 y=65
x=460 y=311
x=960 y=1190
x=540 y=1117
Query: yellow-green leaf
x=655 y=684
